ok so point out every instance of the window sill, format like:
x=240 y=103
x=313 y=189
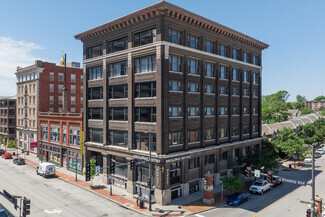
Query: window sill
x=118 y=76
x=197 y=75
x=235 y=95
x=175 y=145
x=193 y=116
x=210 y=94
x=224 y=79
x=193 y=92
x=206 y=76
x=94 y=80
x=209 y=116
x=175 y=72
x=176 y=91
x=145 y=72
x=176 y=117
x=235 y=81
x=192 y=169
x=222 y=94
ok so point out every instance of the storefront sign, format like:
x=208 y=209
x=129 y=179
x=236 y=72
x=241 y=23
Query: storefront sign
x=33 y=145
x=82 y=147
x=145 y=158
x=170 y=160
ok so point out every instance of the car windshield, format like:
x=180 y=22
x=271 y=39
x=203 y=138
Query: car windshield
x=258 y=183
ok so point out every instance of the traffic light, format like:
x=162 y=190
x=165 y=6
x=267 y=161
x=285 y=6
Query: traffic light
x=112 y=168
x=26 y=207
x=248 y=172
x=132 y=164
x=308 y=213
x=87 y=172
x=149 y=183
x=269 y=177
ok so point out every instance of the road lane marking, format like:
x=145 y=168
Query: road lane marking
x=53 y=211
x=198 y=215
x=276 y=202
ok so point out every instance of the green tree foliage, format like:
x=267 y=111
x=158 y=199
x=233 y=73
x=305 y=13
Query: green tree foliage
x=306 y=111
x=300 y=98
x=1 y=140
x=313 y=132
x=322 y=110
x=300 y=102
x=274 y=107
x=232 y=183
x=319 y=98
x=289 y=143
x=11 y=144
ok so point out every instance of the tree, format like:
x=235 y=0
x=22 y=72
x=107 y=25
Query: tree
x=1 y=140
x=274 y=107
x=11 y=144
x=300 y=101
x=92 y=169
x=232 y=183
x=289 y=143
x=306 y=111
x=319 y=98
x=301 y=98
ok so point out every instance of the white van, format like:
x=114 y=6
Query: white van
x=45 y=169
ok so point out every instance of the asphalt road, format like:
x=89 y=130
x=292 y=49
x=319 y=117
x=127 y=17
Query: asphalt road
x=53 y=197
x=283 y=200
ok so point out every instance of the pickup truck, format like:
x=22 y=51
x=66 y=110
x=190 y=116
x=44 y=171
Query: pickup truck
x=260 y=186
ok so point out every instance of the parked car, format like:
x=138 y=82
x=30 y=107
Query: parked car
x=237 y=198
x=2 y=151
x=45 y=169
x=3 y=212
x=19 y=161
x=260 y=186
x=7 y=155
x=308 y=159
x=317 y=154
x=321 y=150
x=276 y=181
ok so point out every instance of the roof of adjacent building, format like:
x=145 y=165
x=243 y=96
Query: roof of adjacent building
x=8 y=97
x=171 y=10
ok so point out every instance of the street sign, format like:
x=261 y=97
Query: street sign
x=82 y=146
x=140 y=162
x=33 y=145
x=257 y=173
x=97 y=168
x=296 y=182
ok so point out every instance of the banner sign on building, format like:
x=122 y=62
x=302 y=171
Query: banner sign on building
x=33 y=145
x=82 y=141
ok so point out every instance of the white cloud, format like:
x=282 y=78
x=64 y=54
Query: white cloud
x=14 y=53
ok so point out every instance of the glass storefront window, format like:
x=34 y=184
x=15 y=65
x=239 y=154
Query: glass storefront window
x=74 y=133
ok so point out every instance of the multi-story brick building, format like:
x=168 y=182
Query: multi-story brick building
x=59 y=139
x=8 y=119
x=315 y=105
x=192 y=83
x=40 y=89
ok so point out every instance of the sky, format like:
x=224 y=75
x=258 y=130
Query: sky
x=294 y=29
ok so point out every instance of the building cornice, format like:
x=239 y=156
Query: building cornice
x=175 y=12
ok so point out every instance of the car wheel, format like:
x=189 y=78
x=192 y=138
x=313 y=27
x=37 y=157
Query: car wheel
x=43 y=175
x=262 y=192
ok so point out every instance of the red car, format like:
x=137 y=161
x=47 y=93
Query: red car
x=7 y=155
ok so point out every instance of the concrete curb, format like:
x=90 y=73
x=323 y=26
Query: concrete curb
x=209 y=209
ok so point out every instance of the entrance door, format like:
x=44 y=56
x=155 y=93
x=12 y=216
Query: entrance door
x=176 y=193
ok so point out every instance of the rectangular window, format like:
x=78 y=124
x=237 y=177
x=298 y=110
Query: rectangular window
x=210 y=134
x=209 y=111
x=118 y=91
x=235 y=110
x=145 y=64
x=235 y=74
x=235 y=131
x=74 y=135
x=223 y=72
x=142 y=141
x=118 y=114
x=246 y=92
x=223 y=50
x=95 y=113
x=194 y=163
x=246 y=76
x=175 y=85
x=118 y=138
x=33 y=87
x=73 y=100
x=81 y=89
x=193 y=41
x=255 y=93
x=223 y=90
x=246 y=129
x=175 y=112
x=73 y=89
x=255 y=60
x=73 y=78
x=55 y=133
x=246 y=111
x=145 y=114
x=60 y=100
x=175 y=36
x=51 y=88
x=209 y=88
x=255 y=110
x=145 y=37
x=51 y=76
x=51 y=100
x=95 y=93
x=95 y=73
x=235 y=54
x=81 y=100
x=193 y=87
x=223 y=111
x=235 y=91
x=95 y=135
x=44 y=131
x=60 y=88
x=118 y=69
x=236 y=152
x=223 y=156
x=193 y=136
x=147 y=89
x=255 y=128
x=223 y=132
x=118 y=45
x=193 y=111
x=175 y=63
x=245 y=57
x=255 y=78
x=209 y=69
x=61 y=77
x=95 y=51
x=175 y=139
x=209 y=46
x=209 y=159
x=193 y=67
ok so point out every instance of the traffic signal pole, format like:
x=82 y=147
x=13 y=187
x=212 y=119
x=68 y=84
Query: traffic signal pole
x=313 y=182
x=150 y=171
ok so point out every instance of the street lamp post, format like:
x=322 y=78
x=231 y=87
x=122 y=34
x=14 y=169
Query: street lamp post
x=313 y=181
x=150 y=171
x=76 y=166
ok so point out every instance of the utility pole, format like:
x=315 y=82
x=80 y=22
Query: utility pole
x=313 y=181
x=150 y=171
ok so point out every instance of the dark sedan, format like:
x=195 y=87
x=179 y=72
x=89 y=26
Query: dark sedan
x=2 y=151
x=19 y=161
x=237 y=198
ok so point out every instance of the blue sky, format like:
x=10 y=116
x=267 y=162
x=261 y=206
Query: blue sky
x=294 y=29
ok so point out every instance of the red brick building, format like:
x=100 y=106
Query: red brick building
x=315 y=105
x=59 y=139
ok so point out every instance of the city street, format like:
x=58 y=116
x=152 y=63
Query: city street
x=51 y=196
x=283 y=200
